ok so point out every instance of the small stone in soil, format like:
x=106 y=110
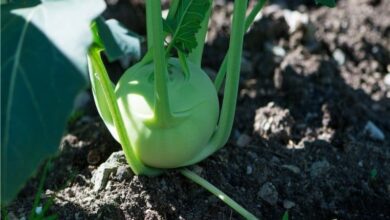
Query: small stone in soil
x=38 y=210
x=249 y=170
x=273 y=122
x=387 y=79
x=276 y=50
x=339 y=56
x=268 y=193
x=123 y=173
x=292 y=168
x=100 y=176
x=374 y=132
x=287 y=204
x=319 y=167
x=243 y=140
x=295 y=19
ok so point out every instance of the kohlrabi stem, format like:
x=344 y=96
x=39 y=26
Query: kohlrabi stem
x=173 y=9
x=214 y=190
x=149 y=28
x=248 y=21
x=226 y=118
x=162 y=111
x=98 y=68
x=196 y=55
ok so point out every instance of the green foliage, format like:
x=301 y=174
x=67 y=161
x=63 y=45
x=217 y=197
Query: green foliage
x=329 y=3
x=43 y=59
x=285 y=216
x=42 y=213
x=185 y=23
x=116 y=40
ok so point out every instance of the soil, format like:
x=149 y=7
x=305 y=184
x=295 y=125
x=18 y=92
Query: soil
x=311 y=134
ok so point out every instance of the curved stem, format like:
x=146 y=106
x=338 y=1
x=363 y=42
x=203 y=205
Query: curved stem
x=221 y=195
x=97 y=66
x=162 y=109
x=248 y=21
x=226 y=119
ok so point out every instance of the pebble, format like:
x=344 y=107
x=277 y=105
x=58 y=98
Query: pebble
x=276 y=50
x=292 y=168
x=243 y=140
x=100 y=176
x=287 y=204
x=249 y=170
x=318 y=168
x=123 y=173
x=268 y=193
x=339 y=56
x=295 y=19
x=374 y=132
x=38 y=210
x=198 y=170
x=387 y=79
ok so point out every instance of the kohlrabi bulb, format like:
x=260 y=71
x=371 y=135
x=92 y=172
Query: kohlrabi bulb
x=193 y=102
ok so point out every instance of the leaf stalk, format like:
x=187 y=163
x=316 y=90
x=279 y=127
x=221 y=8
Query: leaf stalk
x=162 y=111
x=248 y=22
x=221 y=195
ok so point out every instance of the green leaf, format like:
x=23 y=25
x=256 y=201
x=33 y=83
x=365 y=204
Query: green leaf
x=117 y=40
x=329 y=3
x=186 y=22
x=43 y=67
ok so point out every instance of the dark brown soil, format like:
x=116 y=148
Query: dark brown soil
x=311 y=135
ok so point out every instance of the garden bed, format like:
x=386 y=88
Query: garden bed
x=311 y=135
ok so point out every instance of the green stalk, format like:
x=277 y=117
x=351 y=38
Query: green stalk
x=98 y=68
x=37 y=197
x=248 y=21
x=173 y=9
x=163 y=115
x=149 y=28
x=226 y=119
x=214 y=190
x=196 y=55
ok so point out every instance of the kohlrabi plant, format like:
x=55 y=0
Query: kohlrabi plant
x=165 y=110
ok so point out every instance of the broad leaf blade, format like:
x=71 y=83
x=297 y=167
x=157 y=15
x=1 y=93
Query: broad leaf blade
x=117 y=40
x=43 y=68
x=186 y=23
x=329 y=3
